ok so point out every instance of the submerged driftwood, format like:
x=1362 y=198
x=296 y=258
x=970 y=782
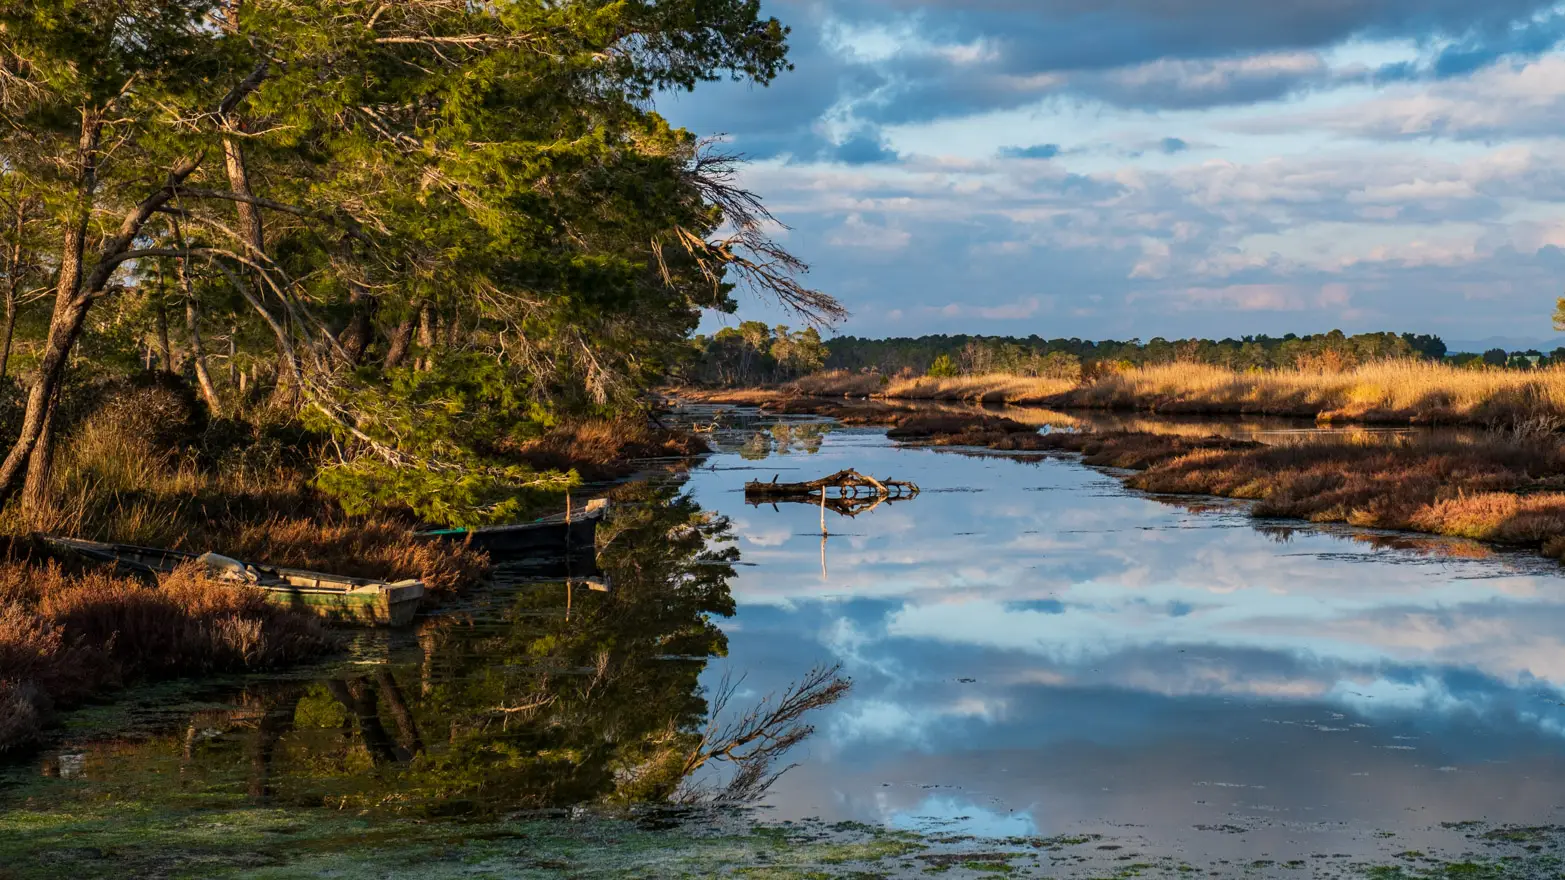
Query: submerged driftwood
x=855 y=492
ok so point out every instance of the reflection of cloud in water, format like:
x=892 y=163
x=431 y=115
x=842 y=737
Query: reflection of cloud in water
x=950 y=816
x=871 y=721
x=1102 y=653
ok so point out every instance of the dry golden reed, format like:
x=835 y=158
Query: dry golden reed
x=66 y=636
x=1403 y=391
x=1493 y=489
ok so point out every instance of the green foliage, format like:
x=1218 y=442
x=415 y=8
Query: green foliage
x=754 y=353
x=455 y=420
x=492 y=175
x=457 y=496
x=942 y=367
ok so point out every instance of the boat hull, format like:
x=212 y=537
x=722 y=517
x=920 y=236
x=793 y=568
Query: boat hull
x=387 y=606
x=339 y=599
x=543 y=541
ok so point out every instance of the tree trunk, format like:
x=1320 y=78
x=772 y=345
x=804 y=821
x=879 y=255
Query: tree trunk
x=38 y=497
x=197 y=349
x=70 y=312
x=10 y=334
x=13 y=284
x=401 y=340
x=165 y=350
x=356 y=337
x=426 y=337
x=250 y=225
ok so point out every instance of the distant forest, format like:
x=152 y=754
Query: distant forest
x=755 y=353
x=1037 y=356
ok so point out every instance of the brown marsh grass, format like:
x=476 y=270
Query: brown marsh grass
x=1404 y=392
x=67 y=636
x=1497 y=489
x=116 y=481
x=840 y=383
x=606 y=448
x=1383 y=392
x=990 y=388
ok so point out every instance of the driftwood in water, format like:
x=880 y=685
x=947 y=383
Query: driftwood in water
x=855 y=492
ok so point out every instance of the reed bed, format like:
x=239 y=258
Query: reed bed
x=1381 y=392
x=122 y=479
x=68 y=636
x=991 y=388
x=1496 y=489
x=840 y=383
x=600 y=449
x=1417 y=392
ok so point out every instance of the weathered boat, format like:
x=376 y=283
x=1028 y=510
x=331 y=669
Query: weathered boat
x=335 y=597
x=573 y=534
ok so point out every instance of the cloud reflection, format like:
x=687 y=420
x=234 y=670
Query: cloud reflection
x=1115 y=656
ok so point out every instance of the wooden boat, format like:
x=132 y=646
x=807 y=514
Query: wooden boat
x=563 y=535
x=335 y=597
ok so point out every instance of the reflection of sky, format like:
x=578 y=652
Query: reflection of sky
x=1043 y=642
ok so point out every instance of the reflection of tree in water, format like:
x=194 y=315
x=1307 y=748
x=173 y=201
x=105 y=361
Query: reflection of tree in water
x=783 y=438
x=532 y=706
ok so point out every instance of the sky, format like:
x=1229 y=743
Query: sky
x=1140 y=168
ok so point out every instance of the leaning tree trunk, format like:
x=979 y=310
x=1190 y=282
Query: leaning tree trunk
x=70 y=313
x=37 y=496
x=198 y=356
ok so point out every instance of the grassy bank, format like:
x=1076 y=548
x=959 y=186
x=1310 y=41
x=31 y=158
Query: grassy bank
x=1416 y=392
x=144 y=465
x=67 y=636
x=1499 y=490
x=1385 y=392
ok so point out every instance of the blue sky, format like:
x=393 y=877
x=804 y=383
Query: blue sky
x=1119 y=168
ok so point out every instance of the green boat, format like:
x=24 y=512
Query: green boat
x=335 y=597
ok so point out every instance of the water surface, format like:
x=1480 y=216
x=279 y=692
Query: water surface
x=1036 y=651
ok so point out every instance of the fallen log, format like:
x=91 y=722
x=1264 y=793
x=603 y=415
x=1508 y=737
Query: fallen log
x=850 y=484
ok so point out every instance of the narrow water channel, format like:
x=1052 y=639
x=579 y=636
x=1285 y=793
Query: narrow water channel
x=1036 y=653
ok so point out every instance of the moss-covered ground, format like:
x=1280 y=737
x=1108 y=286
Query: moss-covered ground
x=57 y=831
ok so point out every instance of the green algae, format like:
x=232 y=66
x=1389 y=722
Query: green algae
x=51 y=834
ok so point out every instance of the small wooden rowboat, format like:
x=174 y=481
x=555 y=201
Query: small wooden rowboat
x=336 y=597
x=563 y=535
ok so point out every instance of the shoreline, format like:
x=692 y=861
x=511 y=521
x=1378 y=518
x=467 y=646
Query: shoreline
x=1501 y=490
x=74 y=633
x=1392 y=393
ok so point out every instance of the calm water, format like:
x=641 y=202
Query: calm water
x=1039 y=651
x=1035 y=650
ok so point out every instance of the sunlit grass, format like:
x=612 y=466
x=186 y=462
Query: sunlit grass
x=1401 y=391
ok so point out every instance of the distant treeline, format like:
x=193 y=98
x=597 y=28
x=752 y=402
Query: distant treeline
x=754 y=353
x=1067 y=358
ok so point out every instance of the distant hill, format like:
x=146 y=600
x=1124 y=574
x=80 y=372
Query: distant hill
x=1509 y=343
